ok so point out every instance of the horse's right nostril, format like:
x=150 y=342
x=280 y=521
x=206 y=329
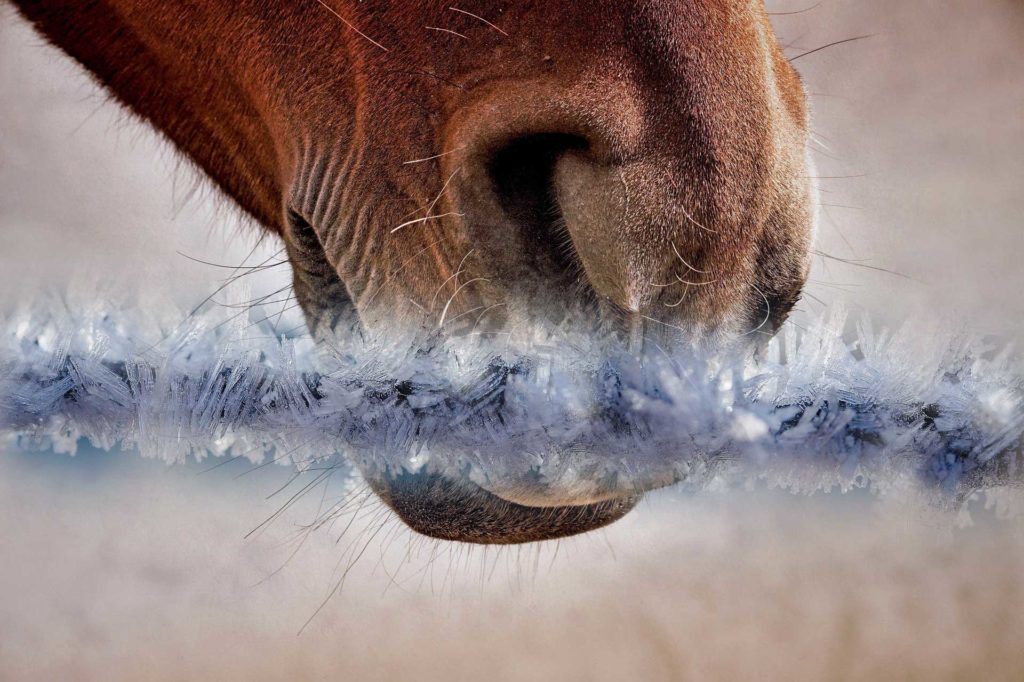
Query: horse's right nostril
x=522 y=177
x=557 y=204
x=446 y=509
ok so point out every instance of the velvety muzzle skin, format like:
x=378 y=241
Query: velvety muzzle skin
x=635 y=167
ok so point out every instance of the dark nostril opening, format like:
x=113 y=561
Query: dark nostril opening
x=522 y=175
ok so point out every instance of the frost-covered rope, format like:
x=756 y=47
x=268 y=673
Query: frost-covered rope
x=916 y=407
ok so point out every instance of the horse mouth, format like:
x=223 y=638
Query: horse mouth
x=459 y=510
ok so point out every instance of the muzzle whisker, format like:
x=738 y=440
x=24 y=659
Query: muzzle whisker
x=444 y=313
x=684 y=261
x=432 y=204
x=767 y=315
x=690 y=218
x=426 y=219
x=351 y=25
x=435 y=156
x=686 y=292
x=478 y=18
x=446 y=30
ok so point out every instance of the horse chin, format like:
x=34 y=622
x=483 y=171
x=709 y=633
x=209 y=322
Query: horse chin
x=456 y=509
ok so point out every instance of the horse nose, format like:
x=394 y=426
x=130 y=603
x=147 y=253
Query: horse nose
x=448 y=509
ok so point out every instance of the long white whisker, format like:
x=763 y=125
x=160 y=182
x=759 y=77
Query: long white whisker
x=666 y=324
x=455 y=276
x=682 y=298
x=691 y=219
x=351 y=25
x=444 y=313
x=430 y=207
x=695 y=284
x=767 y=316
x=434 y=299
x=468 y=312
x=435 y=156
x=481 y=315
x=423 y=220
x=444 y=188
x=446 y=30
x=478 y=18
x=684 y=262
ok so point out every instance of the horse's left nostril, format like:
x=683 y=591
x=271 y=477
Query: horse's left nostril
x=522 y=174
x=442 y=508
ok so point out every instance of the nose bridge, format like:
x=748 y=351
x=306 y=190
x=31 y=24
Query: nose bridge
x=703 y=71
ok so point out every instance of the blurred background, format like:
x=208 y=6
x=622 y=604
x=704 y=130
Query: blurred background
x=116 y=567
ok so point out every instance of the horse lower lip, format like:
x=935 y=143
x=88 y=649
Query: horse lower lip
x=460 y=510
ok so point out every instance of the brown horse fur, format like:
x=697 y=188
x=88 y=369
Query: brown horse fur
x=459 y=163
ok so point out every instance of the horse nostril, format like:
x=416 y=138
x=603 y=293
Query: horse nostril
x=522 y=175
x=558 y=203
x=447 y=509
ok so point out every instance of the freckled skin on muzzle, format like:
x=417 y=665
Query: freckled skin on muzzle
x=637 y=168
